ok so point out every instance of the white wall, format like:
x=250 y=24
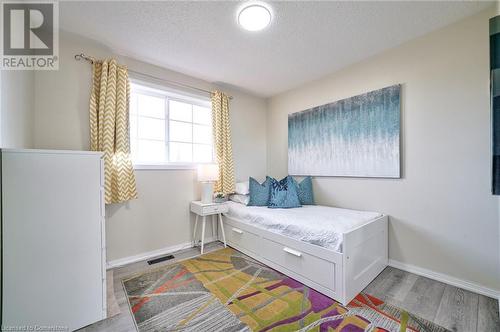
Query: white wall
x=160 y=217
x=17 y=105
x=443 y=216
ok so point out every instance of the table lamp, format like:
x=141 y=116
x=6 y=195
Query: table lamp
x=207 y=175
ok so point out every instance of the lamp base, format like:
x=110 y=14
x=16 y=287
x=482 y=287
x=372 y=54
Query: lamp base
x=207 y=192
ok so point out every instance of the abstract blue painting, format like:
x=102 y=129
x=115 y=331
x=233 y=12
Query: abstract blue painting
x=357 y=136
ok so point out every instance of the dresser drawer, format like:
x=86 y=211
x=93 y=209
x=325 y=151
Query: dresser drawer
x=309 y=266
x=241 y=238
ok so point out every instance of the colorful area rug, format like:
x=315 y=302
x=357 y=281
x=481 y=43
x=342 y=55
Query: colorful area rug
x=228 y=291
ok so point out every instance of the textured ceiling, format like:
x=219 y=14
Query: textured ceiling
x=307 y=40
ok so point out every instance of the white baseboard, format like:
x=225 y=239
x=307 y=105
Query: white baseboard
x=464 y=284
x=152 y=254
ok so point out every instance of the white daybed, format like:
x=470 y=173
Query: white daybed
x=337 y=252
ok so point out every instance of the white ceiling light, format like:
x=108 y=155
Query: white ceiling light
x=254 y=16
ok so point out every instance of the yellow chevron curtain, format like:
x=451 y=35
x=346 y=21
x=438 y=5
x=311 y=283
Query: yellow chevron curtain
x=222 y=138
x=109 y=128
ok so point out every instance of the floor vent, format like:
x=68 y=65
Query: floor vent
x=160 y=259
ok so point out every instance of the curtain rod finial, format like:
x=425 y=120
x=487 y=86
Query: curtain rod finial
x=82 y=56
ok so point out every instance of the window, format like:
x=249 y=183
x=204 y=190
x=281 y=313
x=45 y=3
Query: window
x=168 y=128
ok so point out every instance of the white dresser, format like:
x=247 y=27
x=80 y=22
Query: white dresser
x=53 y=238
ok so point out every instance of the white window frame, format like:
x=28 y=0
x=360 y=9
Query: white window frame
x=168 y=93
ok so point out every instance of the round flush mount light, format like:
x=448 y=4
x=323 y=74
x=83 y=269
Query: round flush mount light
x=254 y=16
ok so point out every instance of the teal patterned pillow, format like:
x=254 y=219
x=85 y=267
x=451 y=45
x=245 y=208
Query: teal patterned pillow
x=284 y=194
x=259 y=193
x=305 y=191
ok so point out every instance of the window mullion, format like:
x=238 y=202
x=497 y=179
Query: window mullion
x=192 y=134
x=136 y=123
x=167 y=130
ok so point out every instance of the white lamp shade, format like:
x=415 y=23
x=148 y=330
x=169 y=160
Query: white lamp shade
x=208 y=172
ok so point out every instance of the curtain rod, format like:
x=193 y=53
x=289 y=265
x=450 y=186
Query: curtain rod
x=90 y=59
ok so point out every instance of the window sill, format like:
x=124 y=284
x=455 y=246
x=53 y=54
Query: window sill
x=140 y=167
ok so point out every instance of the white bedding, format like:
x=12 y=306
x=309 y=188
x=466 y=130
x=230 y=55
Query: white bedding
x=319 y=225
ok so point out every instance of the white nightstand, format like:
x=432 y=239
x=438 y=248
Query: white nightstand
x=204 y=210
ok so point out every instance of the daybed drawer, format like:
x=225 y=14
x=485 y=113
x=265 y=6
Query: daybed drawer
x=242 y=238
x=309 y=266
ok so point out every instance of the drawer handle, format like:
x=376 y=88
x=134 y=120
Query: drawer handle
x=292 y=252
x=236 y=230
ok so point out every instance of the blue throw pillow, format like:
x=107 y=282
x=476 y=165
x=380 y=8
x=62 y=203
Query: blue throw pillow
x=305 y=191
x=284 y=194
x=259 y=193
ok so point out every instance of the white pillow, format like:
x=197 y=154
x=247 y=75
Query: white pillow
x=242 y=188
x=243 y=199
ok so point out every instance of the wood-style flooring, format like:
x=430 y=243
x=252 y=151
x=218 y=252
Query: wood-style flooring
x=451 y=307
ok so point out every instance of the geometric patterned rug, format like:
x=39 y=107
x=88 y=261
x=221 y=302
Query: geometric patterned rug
x=226 y=290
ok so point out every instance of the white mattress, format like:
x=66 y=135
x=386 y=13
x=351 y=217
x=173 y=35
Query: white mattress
x=315 y=224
